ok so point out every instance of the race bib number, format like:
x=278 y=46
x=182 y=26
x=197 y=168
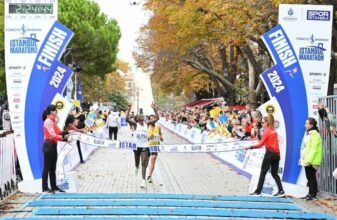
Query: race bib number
x=154 y=149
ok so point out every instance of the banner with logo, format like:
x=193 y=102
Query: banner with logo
x=63 y=109
x=27 y=25
x=309 y=28
x=69 y=89
x=51 y=50
x=284 y=56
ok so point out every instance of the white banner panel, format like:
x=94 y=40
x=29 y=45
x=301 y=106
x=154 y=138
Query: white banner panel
x=26 y=26
x=309 y=28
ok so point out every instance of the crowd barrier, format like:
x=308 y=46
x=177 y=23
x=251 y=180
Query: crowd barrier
x=245 y=162
x=7 y=164
x=327 y=182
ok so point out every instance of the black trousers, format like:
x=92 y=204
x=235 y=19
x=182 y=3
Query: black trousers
x=142 y=154
x=78 y=143
x=310 y=173
x=137 y=156
x=49 y=167
x=113 y=130
x=270 y=160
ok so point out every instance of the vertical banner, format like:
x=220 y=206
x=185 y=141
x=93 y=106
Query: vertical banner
x=309 y=28
x=42 y=82
x=79 y=90
x=283 y=54
x=69 y=89
x=26 y=26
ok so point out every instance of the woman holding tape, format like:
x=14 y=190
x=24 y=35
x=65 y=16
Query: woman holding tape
x=52 y=134
x=271 y=158
x=142 y=153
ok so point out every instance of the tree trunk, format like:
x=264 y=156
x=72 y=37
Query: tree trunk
x=230 y=97
x=252 y=97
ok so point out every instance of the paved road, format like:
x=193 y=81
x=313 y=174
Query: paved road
x=109 y=170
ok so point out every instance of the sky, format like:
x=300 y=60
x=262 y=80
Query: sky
x=130 y=19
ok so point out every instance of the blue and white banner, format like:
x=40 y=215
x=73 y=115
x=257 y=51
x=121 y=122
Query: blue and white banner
x=283 y=54
x=51 y=50
x=25 y=34
x=309 y=28
x=56 y=82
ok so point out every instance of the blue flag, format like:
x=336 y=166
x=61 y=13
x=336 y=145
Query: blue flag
x=79 y=90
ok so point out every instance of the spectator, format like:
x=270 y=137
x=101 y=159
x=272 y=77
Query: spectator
x=311 y=158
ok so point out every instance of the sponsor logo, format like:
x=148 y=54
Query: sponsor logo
x=315 y=50
x=313 y=53
x=99 y=142
x=290 y=15
x=312 y=39
x=17 y=81
x=17 y=106
x=277 y=124
x=59 y=105
x=270 y=109
x=26 y=44
x=16 y=100
x=16 y=67
x=316 y=87
x=18 y=135
x=317 y=74
x=16 y=117
x=318 y=15
x=196 y=147
x=16 y=122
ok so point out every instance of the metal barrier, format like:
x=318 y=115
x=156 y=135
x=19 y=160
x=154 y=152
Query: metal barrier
x=7 y=164
x=327 y=183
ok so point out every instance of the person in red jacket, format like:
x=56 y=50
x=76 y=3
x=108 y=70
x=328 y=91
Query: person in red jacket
x=271 y=158
x=52 y=134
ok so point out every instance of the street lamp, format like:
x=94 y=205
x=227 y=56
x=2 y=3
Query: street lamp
x=138 y=98
x=100 y=92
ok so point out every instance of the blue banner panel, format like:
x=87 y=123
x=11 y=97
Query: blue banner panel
x=284 y=56
x=51 y=50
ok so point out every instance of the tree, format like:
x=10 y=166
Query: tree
x=96 y=38
x=119 y=99
x=218 y=39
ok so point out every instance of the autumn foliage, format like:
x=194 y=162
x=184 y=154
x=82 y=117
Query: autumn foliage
x=200 y=45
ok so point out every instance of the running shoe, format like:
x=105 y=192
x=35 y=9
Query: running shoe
x=305 y=197
x=143 y=185
x=58 y=190
x=49 y=191
x=311 y=197
x=255 y=194
x=280 y=194
x=149 y=179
